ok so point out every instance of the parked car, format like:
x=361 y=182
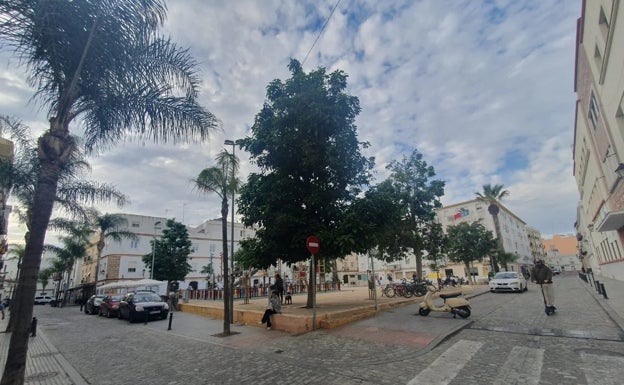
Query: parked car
x=509 y=281
x=42 y=300
x=93 y=304
x=556 y=270
x=138 y=305
x=109 y=307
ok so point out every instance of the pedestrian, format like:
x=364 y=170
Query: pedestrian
x=279 y=286
x=2 y=309
x=542 y=275
x=274 y=307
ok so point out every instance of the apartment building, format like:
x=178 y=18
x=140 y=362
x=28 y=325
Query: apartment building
x=599 y=136
x=514 y=234
x=123 y=260
x=535 y=243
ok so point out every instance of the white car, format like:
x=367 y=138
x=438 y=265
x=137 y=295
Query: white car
x=42 y=300
x=510 y=281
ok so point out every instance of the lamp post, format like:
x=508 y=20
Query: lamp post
x=154 y=250
x=232 y=143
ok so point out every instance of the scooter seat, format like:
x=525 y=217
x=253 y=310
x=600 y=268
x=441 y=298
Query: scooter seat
x=451 y=295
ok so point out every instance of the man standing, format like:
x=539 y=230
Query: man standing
x=542 y=275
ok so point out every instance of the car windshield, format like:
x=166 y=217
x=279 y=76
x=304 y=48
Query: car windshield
x=146 y=297
x=115 y=297
x=506 y=275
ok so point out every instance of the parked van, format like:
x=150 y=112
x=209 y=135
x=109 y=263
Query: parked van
x=42 y=300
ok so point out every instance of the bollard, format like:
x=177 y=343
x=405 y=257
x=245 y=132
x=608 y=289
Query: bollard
x=597 y=284
x=33 y=327
x=170 y=320
x=603 y=291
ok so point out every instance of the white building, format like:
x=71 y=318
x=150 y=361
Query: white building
x=123 y=260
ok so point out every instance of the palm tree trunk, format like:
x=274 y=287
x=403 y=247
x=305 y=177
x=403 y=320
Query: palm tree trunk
x=54 y=149
x=226 y=271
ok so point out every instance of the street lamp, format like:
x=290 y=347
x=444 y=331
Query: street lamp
x=154 y=249
x=232 y=143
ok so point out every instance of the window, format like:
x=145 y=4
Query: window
x=212 y=248
x=603 y=23
x=593 y=110
x=132 y=267
x=135 y=224
x=134 y=243
x=598 y=57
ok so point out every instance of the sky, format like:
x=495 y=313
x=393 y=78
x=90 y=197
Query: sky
x=484 y=89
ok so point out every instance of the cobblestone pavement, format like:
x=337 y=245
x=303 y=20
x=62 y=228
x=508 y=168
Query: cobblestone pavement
x=507 y=340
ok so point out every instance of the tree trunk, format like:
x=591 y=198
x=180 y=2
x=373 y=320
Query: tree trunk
x=418 y=254
x=311 y=285
x=499 y=241
x=54 y=148
x=226 y=271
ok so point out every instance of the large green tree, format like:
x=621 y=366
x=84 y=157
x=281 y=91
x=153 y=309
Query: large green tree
x=492 y=195
x=102 y=63
x=304 y=141
x=221 y=180
x=419 y=194
x=469 y=242
x=170 y=252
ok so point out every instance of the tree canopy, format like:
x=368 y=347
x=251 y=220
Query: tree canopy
x=419 y=195
x=304 y=141
x=171 y=252
x=469 y=242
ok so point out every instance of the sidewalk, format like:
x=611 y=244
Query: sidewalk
x=614 y=303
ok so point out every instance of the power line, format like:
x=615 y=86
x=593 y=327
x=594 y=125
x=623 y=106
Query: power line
x=320 y=32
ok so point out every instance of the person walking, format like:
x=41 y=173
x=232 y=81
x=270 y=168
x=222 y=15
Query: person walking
x=274 y=307
x=542 y=275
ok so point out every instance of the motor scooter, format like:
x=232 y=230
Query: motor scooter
x=454 y=303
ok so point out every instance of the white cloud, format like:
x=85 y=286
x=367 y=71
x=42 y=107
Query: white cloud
x=483 y=89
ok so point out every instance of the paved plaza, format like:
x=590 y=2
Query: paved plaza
x=393 y=338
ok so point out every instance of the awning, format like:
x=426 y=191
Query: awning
x=611 y=221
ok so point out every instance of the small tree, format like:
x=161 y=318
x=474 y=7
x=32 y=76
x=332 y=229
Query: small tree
x=44 y=277
x=469 y=243
x=171 y=253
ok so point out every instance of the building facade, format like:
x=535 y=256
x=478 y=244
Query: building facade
x=123 y=260
x=514 y=234
x=598 y=150
x=562 y=252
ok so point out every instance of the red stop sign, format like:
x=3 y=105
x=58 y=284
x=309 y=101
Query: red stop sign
x=313 y=244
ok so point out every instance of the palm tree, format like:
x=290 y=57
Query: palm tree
x=44 y=277
x=108 y=226
x=218 y=179
x=73 y=246
x=20 y=174
x=493 y=195
x=104 y=63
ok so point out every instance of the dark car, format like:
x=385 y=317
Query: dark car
x=109 y=307
x=140 y=305
x=93 y=304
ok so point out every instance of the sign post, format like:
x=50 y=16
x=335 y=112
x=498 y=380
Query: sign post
x=313 y=245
